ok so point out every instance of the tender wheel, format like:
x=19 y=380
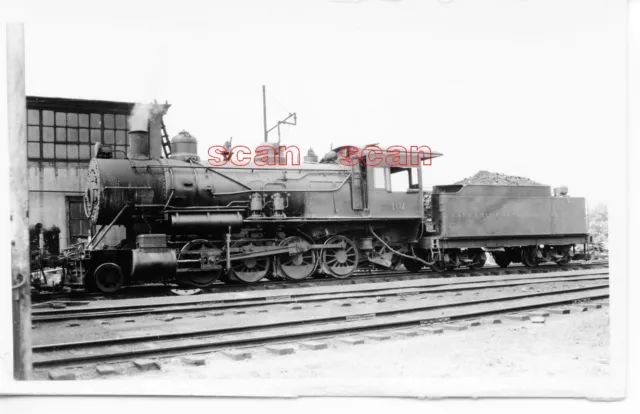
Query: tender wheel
x=479 y=259
x=340 y=262
x=411 y=265
x=530 y=256
x=501 y=258
x=249 y=270
x=203 y=274
x=566 y=257
x=108 y=278
x=299 y=265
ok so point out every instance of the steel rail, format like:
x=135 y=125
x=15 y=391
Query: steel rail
x=312 y=320
x=360 y=276
x=136 y=310
x=316 y=329
x=361 y=287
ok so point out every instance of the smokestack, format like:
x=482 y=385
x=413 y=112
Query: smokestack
x=148 y=117
x=139 y=148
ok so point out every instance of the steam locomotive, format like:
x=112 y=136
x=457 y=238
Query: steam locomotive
x=191 y=224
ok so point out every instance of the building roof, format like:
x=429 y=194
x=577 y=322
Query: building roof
x=82 y=105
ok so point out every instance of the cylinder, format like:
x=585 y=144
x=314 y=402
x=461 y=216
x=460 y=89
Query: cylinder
x=153 y=264
x=204 y=222
x=139 y=148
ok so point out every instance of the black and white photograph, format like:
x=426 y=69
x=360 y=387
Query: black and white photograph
x=321 y=198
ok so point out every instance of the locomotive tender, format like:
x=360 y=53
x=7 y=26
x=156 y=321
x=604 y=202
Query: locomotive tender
x=191 y=224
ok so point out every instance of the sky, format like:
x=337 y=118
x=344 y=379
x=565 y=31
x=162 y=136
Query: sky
x=521 y=87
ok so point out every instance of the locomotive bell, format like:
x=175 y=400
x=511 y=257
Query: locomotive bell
x=184 y=147
x=311 y=157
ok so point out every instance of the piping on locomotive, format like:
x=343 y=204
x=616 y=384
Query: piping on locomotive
x=191 y=224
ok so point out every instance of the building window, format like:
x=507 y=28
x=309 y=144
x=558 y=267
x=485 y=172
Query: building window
x=79 y=224
x=70 y=136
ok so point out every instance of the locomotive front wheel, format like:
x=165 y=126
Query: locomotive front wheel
x=249 y=270
x=108 y=278
x=340 y=262
x=297 y=266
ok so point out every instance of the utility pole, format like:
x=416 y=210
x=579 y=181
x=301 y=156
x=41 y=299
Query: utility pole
x=264 y=111
x=291 y=119
x=19 y=202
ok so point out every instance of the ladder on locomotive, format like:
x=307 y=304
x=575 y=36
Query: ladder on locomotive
x=436 y=253
x=166 y=143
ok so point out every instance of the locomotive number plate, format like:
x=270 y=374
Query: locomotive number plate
x=398 y=205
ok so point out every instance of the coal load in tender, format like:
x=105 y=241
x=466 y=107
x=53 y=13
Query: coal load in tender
x=483 y=178
x=489 y=178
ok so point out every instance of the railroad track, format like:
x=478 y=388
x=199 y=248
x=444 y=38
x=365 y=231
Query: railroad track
x=303 y=296
x=290 y=327
x=364 y=276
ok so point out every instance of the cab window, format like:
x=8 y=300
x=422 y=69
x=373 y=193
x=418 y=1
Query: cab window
x=403 y=180
x=379 y=179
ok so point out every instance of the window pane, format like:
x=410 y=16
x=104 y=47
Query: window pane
x=414 y=177
x=74 y=209
x=33 y=134
x=47 y=117
x=33 y=150
x=74 y=227
x=121 y=122
x=378 y=178
x=33 y=116
x=95 y=121
x=400 y=181
x=47 y=134
x=84 y=152
x=61 y=134
x=121 y=151
x=109 y=136
x=109 y=122
x=72 y=120
x=61 y=119
x=72 y=135
x=84 y=120
x=72 y=152
x=95 y=135
x=84 y=135
x=61 y=151
x=47 y=150
x=121 y=138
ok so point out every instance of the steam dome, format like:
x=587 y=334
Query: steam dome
x=184 y=146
